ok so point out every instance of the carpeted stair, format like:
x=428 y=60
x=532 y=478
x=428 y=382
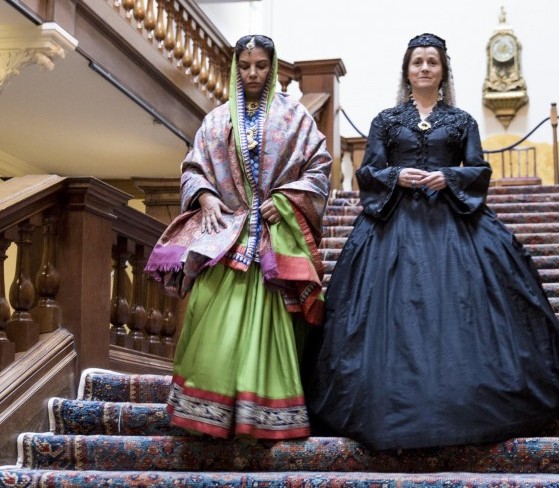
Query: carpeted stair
x=531 y=212
x=116 y=433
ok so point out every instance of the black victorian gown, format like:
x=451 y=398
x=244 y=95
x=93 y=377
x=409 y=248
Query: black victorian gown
x=437 y=330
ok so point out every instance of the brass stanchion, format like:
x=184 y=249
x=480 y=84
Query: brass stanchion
x=553 y=118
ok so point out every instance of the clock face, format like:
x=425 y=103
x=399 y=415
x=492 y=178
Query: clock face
x=503 y=48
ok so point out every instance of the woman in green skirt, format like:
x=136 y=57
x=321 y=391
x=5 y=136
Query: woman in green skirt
x=253 y=192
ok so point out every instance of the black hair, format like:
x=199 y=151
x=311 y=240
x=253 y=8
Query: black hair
x=260 y=41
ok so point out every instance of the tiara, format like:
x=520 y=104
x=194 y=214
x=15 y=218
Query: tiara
x=250 y=45
x=427 y=40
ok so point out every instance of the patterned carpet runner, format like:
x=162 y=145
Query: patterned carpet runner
x=116 y=433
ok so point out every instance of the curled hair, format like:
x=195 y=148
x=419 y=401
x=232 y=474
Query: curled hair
x=260 y=41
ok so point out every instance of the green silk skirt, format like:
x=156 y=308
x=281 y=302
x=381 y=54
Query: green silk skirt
x=236 y=370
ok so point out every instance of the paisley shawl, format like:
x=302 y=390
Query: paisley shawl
x=294 y=171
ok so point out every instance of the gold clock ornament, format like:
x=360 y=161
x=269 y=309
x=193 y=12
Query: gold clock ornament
x=504 y=89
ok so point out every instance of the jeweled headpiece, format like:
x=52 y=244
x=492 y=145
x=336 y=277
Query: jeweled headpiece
x=427 y=40
x=250 y=45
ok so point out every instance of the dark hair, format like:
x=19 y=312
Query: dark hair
x=406 y=63
x=260 y=41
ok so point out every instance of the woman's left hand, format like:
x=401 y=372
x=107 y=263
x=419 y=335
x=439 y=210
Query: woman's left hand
x=270 y=212
x=434 y=181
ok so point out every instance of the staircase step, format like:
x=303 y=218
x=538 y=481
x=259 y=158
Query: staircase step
x=534 y=228
x=89 y=417
x=549 y=275
x=546 y=262
x=543 y=249
x=337 y=231
x=98 y=384
x=551 y=289
x=526 y=208
x=342 y=210
x=534 y=218
x=523 y=197
x=344 y=220
x=160 y=479
x=524 y=189
x=333 y=242
x=193 y=453
x=539 y=238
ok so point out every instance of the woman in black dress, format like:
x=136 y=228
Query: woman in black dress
x=438 y=331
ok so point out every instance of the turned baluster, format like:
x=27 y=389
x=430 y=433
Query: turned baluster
x=195 y=66
x=47 y=312
x=22 y=329
x=160 y=31
x=119 y=304
x=187 y=57
x=149 y=19
x=203 y=75
x=225 y=94
x=169 y=327
x=218 y=90
x=154 y=322
x=139 y=13
x=178 y=51
x=7 y=348
x=138 y=316
x=127 y=5
x=169 y=41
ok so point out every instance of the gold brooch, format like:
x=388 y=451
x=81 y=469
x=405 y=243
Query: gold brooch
x=424 y=125
x=251 y=108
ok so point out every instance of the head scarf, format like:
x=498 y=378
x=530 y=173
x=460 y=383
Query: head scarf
x=237 y=105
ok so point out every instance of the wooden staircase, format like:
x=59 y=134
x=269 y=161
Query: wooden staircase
x=116 y=432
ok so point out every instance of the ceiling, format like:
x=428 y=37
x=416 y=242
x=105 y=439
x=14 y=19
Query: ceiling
x=72 y=122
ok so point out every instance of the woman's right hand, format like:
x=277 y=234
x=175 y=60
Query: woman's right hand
x=411 y=177
x=212 y=208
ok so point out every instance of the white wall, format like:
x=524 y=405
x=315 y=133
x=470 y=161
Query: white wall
x=371 y=36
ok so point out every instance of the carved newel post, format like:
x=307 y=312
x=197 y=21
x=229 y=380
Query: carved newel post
x=7 y=348
x=22 y=329
x=47 y=312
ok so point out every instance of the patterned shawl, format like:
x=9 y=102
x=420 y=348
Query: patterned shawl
x=294 y=171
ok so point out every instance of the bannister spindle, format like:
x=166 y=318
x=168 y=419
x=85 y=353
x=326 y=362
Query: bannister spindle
x=225 y=93
x=119 y=304
x=154 y=322
x=169 y=41
x=139 y=13
x=178 y=51
x=187 y=58
x=169 y=327
x=7 y=348
x=203 y=75
x=149 y=19
x=160 y=31
x=138 y=316
x=127 y=5
x=47 y=312
x=218 y=90
x=22 y=329
x=213 y=73
x=195 y=66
